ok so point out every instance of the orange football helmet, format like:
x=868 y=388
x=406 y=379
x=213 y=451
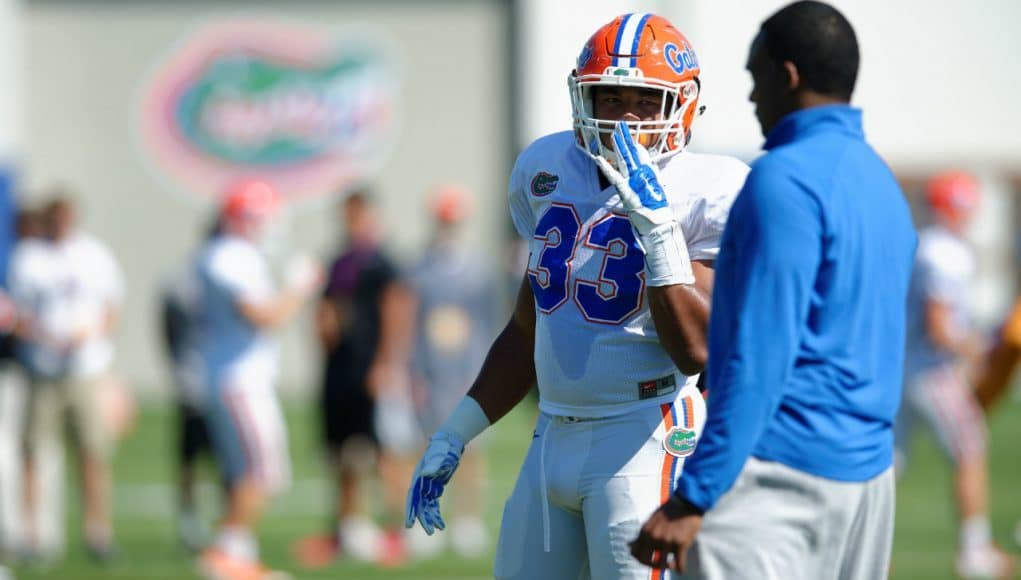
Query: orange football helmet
x=645 y=51
x=953 y=196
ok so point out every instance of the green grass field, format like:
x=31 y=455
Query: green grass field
x=923 y=548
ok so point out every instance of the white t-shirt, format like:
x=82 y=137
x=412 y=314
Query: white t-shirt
x=67 y=287
x=944 y=270
x=596 y=348
x=231 y=270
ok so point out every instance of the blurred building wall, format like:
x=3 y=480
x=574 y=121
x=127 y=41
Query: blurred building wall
x=937 y=81
x=84 y=60
x=11 y=89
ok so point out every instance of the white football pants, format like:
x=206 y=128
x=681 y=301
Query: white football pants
x=588 y=485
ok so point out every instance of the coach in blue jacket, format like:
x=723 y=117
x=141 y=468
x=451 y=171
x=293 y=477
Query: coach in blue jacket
x=793 y=475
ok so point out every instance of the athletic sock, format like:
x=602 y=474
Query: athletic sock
x=238 y=542
x=976 y=534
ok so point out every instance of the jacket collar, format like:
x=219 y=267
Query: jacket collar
x=838 y=118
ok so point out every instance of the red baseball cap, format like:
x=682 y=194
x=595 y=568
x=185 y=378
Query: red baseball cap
x=249 y=198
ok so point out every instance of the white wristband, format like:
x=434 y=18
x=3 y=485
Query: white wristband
x=467 y=420
x=666 y=256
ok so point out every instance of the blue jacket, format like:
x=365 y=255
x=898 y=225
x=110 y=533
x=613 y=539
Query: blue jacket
x=806 y=337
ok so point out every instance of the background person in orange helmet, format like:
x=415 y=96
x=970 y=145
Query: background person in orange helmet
x=453 y=325
x=942 y=346
x=238 y=308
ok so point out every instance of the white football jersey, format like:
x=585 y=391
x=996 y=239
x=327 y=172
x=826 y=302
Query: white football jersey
x=67 y=288
x=944 y=270
x=231 y=270
x=596 y=348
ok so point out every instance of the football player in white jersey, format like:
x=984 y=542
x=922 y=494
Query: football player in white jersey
x=942 y=347
x=238 y=309
x=623 y=226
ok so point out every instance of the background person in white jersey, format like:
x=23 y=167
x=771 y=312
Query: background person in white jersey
x=942 y=346
x=611 y=315
x=68 y=290
x=238 y=310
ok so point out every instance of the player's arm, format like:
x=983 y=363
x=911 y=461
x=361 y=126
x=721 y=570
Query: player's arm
x=111 y=282
x=272 y=312
x=681 y=315
x=111 y=319
x=508 y=372
x=327 y=323
x=302 y=279
x=679 y=289
x=114 y=298
x=945 y=335
x=506 y=376
x=24 y=297
x=102 y=328
x=397 y=315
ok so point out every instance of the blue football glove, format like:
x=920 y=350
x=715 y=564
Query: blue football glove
x=434 y=470
x=636 y=178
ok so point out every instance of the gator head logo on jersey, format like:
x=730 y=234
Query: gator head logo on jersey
x=643 y=51
x=544 y=183
x=679 y=442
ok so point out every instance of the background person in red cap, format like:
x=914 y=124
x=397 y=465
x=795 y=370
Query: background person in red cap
x=942 y=347
x=237 y=312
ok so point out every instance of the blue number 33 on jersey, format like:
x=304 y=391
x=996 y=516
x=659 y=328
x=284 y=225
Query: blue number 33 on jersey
x=615 y=293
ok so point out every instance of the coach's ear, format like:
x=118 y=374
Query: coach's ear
x=793 y=76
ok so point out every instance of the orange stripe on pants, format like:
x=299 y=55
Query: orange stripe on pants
x=666 y=482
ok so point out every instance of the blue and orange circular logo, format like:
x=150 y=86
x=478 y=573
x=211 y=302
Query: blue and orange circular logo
x=303 y=110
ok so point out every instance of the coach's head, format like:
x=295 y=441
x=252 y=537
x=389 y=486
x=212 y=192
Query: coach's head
x=804 y=56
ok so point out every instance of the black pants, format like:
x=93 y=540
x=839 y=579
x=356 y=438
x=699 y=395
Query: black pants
x=192 y=434
x=346 y=410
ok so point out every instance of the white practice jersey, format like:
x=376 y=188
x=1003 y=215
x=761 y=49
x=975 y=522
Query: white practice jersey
x=596 y=348
x=67 y=288
x=944 y=270
x=230 y=271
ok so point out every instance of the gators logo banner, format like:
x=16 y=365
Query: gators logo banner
x=304 y=110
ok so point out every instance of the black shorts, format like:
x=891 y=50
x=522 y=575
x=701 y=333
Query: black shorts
x=193 y=435
x=346 y=411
